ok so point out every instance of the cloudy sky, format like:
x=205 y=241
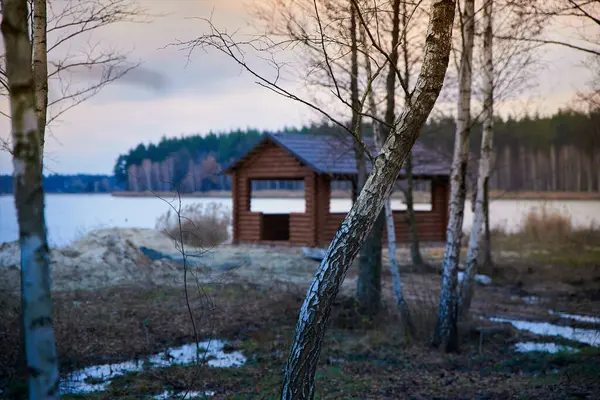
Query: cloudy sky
x=167 y=95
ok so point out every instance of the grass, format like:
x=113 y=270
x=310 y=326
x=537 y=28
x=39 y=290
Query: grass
x=549 y=248
x=360 y=359
x=548 y=229
x=202 y=225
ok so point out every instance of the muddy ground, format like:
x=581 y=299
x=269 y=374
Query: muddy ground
x=114 y=301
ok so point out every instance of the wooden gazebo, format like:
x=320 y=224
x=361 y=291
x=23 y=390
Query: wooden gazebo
x=317 y=160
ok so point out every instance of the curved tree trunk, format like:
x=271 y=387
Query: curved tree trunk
x=445 y=331
x=36 y=301
x=479 y=219
x=299 y=379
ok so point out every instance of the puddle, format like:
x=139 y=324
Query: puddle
x=575 y=317
x=190 y=395
x=98 y=377
x=587 y=336
x=482 y=279
x=531 y=299
x=528 y=347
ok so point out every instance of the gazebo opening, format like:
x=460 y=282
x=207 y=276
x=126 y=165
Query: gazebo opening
x=310 y=170
x=422 y=195
x=341 y=195
x=275 y=225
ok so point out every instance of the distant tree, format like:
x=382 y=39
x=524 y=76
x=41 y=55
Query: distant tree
x=446 y=328
x=481 y=200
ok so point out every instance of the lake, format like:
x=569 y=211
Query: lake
x=70 y=216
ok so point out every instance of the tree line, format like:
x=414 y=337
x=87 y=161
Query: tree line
x=59 y=183
x=560 y=152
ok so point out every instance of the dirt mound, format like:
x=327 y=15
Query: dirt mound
x=126 y=256
x=102 y=258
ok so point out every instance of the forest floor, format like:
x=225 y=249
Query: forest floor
x=115 y=303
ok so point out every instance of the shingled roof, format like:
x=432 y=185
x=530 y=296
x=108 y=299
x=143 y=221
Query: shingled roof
x=335 y=155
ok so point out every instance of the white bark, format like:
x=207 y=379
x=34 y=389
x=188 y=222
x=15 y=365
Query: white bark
x=475 y=237
x=36 y=302
x=446 y=325
x=40 y=67
x=299 y=379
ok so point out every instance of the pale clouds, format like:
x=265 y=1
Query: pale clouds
x=170 y=96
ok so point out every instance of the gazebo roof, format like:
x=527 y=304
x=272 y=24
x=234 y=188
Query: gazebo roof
x=335 y=155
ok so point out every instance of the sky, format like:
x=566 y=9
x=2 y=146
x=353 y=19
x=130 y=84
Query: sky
x=169 y=94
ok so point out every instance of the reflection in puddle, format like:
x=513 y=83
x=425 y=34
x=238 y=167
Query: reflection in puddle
x=481 y=279
x=575 y=317
x=528 y=347
x=587 y=336
x=531 y=299
x=97 y=377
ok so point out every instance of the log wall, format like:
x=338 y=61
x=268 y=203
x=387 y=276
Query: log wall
x=316 y=226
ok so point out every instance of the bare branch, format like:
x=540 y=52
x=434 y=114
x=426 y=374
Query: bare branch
x=226 y=44
x=554 y=42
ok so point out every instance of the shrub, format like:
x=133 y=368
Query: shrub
x=202 y=224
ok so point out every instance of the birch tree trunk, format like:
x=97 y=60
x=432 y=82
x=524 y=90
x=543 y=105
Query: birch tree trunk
x=368 y=287
x=36 y=312
x=379 y=139
x=415 y=250
x=487 y=244
x=445 y=331
x=466 y=292
x=40 y=68
x=299 y=379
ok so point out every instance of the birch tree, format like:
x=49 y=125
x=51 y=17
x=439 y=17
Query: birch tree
x=36 y=301
x=446 y=328
x=479 y=218
x=299 y=377
x=299 y=380
x=368 y=285
x=415 y=250
x=379 y=138
x=40 y=67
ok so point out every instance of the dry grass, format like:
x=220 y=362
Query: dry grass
x=549 y=253
x=361 y=359
x=202 y=225
x=548 y=227
x=544 y=225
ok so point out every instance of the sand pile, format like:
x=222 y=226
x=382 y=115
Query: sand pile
x=129 y=256
x=102 y=258
x=126 y=256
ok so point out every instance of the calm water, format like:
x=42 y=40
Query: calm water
x=70 y=216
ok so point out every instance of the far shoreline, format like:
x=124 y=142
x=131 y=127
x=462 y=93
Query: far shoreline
x=340 y=194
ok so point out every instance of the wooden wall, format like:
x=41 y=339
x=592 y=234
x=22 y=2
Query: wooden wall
x=316 y=226
x=431 y=225
x=269 y=161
